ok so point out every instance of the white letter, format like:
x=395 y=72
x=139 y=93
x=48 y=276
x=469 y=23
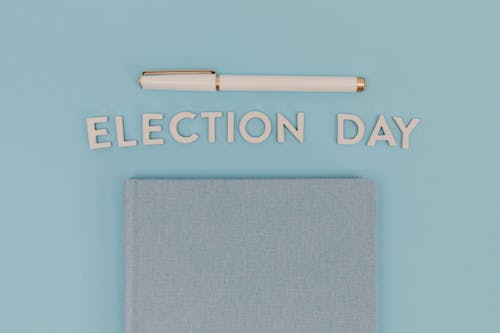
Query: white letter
x=147 y=129
x=387 y=136
x=230 y=127
x=360 y=129
x=174 y=122
x=119 y=134
x=211 y=123
x=298 y=132
x=93 y=133
x=243 y=127
x=406 y=130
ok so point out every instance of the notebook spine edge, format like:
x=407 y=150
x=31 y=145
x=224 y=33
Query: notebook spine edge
x=130 y=196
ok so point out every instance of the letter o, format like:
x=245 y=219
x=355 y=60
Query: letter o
x=243 y=127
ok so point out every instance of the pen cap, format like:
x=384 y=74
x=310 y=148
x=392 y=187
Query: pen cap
x=196 y=82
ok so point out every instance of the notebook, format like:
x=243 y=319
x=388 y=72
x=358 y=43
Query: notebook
x=250 y=255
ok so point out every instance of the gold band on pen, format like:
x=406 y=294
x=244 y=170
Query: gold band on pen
x=360 y=83
x=217 y=82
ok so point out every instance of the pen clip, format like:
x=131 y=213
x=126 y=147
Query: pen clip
x=179 y=72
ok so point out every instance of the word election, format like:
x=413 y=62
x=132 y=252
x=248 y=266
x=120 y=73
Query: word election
x=152 y=128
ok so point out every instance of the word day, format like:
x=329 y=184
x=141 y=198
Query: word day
x=98 y=127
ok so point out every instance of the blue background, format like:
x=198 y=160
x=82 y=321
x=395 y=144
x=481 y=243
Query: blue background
x=61 y=203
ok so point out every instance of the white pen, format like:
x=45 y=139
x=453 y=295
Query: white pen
x=208 y=80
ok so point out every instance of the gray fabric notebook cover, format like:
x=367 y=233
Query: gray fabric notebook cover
x=250 y=255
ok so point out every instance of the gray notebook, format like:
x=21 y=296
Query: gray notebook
x=250 y=255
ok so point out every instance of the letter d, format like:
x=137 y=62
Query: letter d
x=360 y=126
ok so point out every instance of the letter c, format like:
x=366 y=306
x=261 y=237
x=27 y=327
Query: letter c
x=174 y=122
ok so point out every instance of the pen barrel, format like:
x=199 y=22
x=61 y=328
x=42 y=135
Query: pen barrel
x=291 y=83
x=193 y=82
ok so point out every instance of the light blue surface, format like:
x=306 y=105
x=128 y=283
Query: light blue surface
x=61 y=203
